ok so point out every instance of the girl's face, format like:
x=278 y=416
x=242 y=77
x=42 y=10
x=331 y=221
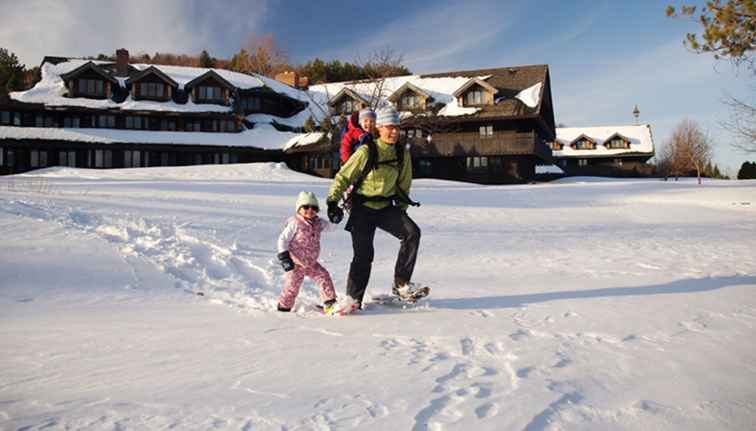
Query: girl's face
x=308 y=211
x=368 y=124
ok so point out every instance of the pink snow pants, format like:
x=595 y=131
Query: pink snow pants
x=293 y=281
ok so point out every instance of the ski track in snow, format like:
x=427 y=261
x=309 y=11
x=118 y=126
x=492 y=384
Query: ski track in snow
x=234 y=275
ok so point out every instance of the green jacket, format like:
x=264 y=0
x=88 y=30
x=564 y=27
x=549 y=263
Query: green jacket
x=380 y=181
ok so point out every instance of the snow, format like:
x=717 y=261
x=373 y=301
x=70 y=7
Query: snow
x=639 y=136
x=591 y=305
x=549 y=169
x=262 y=136
x=441 y=89
x=304 y=139
x=51 y=90
x=530 y=96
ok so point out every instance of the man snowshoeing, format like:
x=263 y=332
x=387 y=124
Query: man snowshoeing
x=381 y=173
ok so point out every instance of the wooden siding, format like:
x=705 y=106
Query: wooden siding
x=469 y=143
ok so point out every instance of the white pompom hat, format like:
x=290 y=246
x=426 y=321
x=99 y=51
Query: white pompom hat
x=307 y=198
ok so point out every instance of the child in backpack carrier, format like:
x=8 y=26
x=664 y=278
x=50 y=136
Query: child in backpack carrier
x=298 y=251
x=359 y=128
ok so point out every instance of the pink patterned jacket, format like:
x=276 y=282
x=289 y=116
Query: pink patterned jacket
x=302 y=239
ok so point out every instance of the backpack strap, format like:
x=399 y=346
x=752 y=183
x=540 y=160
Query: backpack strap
x=371 y=164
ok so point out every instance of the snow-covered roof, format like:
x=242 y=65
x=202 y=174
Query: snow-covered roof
x=263 y=136
x=304 y=139
x=51 y=90
x=440 y=88
x=531 y=96
x=640 y=138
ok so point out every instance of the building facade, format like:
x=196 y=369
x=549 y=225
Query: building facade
x=614 y=151
x=486 y=126
x=95 y=114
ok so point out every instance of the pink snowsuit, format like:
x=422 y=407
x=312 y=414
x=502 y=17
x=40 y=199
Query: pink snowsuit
x=302 y=239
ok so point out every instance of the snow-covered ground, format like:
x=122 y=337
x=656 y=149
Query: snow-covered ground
x=142 y=299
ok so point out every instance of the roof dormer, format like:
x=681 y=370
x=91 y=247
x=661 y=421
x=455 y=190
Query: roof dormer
x=475 y=92
x=410 y=98
x=583 y=142
x=617 y=142
x=90 y=81
x=347 y=101
x=152 y=84
x=210 y=87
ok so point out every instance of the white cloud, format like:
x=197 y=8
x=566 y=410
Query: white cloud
x=35 y=28
x=431 y=39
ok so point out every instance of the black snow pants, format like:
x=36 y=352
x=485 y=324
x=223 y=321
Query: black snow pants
x=362 y=224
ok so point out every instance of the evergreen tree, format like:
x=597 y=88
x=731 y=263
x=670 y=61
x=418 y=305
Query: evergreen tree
x=205 y=60
x=11 y=72
x=747 y=171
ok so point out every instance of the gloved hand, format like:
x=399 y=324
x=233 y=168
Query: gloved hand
x=285 y=258
x=335 y=214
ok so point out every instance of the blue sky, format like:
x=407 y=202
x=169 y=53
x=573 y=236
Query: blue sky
x=604 y=56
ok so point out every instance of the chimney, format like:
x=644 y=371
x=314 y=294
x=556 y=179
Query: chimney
x=122 y=62
x=289 y=78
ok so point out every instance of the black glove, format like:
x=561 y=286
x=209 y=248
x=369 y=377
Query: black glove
x=285 y=258
x=335 y=214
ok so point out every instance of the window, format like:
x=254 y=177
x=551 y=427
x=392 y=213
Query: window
x=582 y=162
x=618 y=162
x=71 y=122
x=67 y=158
x=209 y=93
x=132 y=159
x=2 y=159
x=17 y=119
x=42 y=120
x=228 y=126
x=350 y=105
x=5 y=117
x=38 y=158
x=91 y=87
x=251 y=104
x=585 y=144
x=192 y=125
x=477 y=164
x=486 y=131
x=152 y=89
x=618 y=143
x=164 y=160
x=134 y=122
x=475 y=97
x=106 y=121
x=425 y=166
x=167 y=124
x=410 y=101
x=10 y=158
x=103 y=158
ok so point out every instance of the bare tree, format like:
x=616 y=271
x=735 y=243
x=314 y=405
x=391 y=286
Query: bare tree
x=688 y=150
x=380 y=65
x=742 y=124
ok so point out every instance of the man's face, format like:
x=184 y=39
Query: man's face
x=389 y=134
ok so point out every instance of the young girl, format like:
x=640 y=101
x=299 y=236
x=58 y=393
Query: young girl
x=298 y=251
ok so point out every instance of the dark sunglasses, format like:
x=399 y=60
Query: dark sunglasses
x=310 y=207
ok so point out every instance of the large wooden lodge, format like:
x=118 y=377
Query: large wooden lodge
x=486 y=125
x=94 y=114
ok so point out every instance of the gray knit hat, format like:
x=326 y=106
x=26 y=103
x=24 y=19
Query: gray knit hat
x=387 y=117
x=366 y=113
x=307 y=198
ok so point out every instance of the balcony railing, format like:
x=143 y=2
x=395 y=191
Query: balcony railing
x=472 y=143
